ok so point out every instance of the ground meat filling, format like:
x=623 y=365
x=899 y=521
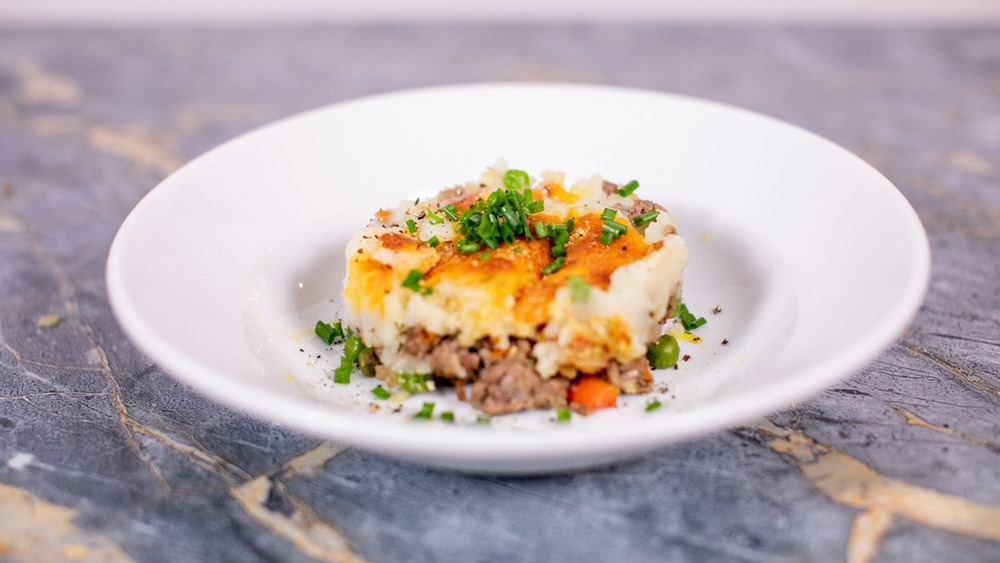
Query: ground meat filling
x=639 y=207
x=505 y=381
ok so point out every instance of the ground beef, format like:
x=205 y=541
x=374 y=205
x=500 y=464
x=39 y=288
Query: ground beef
x=609 y=187
x=510 y=383
x=641 y=206
x=417 y=342
x=632 y=376
x=451 y=361
x=504 y=382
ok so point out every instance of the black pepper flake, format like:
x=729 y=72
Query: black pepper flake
x=686 y=357
x=624 y=247
x=725 y=341
x=422 y=215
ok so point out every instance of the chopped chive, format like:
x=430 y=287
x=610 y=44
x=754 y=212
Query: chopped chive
x=645 y=218
x=611 y=230
x=467 y=246
x=541 y=229
x=554 y=265
x=342 y=374
x=483 y=419
x=329 y=332
x=411 y=225
x=579 y=290
x=484 y=256
x=433 y=241
x=516 y=179
x=415 y=383
x=536 y=206
x=652 y=404
x=450 y=211
x=518 y=250
x=563 y=414
x=628 y=188
x=426 y=411
x=381 y=393
x=412 y=280
x=448 y=415
x=608 y=214
x=688 y=320
x=353 y=347
x=433 y=218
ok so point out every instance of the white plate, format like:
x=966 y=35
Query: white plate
x=816 y=260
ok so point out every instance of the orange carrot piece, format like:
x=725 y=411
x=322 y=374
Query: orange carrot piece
x=593 y=393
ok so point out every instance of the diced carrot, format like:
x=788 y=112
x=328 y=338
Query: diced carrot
x=593 y=393
x=383 y=215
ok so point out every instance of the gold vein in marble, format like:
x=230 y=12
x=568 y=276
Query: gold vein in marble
x=139 y=144
x=300 y=525
x=849 y=481
x=914 y=420
x=41 y=85
x=965 y=375
x=32 y=529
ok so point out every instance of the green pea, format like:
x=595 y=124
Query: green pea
x=664 y=352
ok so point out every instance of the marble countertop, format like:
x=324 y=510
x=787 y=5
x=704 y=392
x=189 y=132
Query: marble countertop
x=104 y=457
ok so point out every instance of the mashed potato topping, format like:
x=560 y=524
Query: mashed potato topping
x=519 y=315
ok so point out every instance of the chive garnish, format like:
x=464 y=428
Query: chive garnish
x=433 y=218
x=412 y=281
x=450 y=211
x=688 y=320
x=541 y=229
x=653 y=404
x=433 y=241
x=646 y=218
x=499 y=219
x=411 y=225
x=426 y=411
x=611 y=230
x=342 y=374
x=608 y=214
x=516 y=179
x=415 y=383
x=448 y=416
x=484 y=256
x=563 y=414
x=381 y=393
x=329 y=332
x=483 y=419
x=467 y=246
x=579 y=290
x=628 y=188
x=554 y=265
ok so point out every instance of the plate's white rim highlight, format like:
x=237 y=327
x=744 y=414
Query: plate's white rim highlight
x=475 y=446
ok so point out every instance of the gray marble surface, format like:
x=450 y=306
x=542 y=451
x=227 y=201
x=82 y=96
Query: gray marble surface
x=104 y=457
